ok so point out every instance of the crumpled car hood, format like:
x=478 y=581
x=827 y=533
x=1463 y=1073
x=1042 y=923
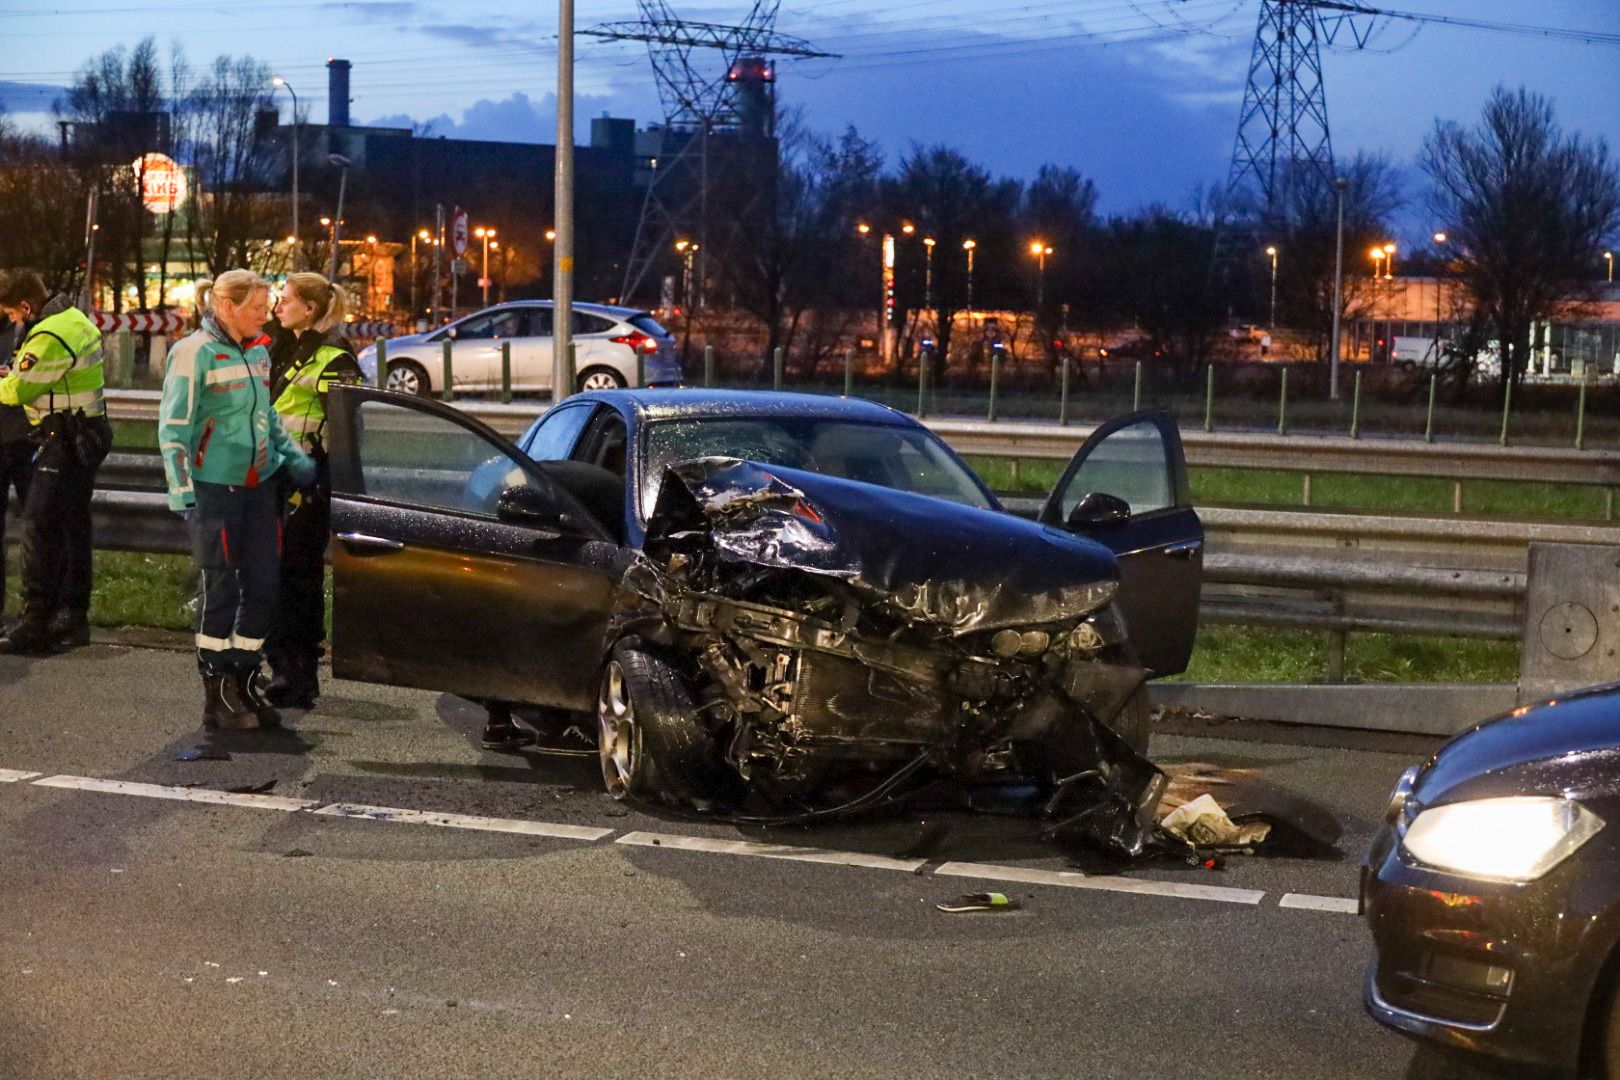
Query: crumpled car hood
x=957 y=568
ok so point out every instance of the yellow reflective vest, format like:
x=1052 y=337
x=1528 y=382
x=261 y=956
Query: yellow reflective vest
x=57 y=368
x=302 y=404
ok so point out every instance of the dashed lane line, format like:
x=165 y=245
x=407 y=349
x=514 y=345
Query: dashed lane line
x=1071 y=879
x=463 y=821
x=715 y=846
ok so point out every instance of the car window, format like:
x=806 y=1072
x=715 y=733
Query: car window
x=540 y=322
x=495 y=324
x=419 y=459
x=553 y=435
x=606 y=443
x=894 y=456
x=1132 y=463
x=648 y=325
x=584 y=322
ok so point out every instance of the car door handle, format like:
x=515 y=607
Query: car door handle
x=1187 y=549
x=360 y=539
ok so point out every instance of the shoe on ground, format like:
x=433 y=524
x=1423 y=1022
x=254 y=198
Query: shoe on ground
x=294 y=683
x=223 y=706
x=28 y=636
x=70 y=628
x=506 y=737
x=250 y=687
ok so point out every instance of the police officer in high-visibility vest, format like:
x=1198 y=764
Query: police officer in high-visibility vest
x=308 y=355
x=56 y=378
x=16 y=443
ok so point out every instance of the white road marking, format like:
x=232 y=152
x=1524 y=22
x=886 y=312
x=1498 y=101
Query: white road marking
x=769 y=851
x=1307 y=902
x=12 y=776
x=182 y=794
x=1073 y=879
x=463 y=821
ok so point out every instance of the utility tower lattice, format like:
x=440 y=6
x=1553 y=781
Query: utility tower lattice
x=732 y=97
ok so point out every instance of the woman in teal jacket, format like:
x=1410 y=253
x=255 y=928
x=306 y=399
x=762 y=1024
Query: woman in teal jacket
x=222 y=444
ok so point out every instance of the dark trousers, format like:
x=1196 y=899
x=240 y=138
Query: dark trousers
x=57 y=541
x=236 y=542
x=16 y=465
x=301 y=612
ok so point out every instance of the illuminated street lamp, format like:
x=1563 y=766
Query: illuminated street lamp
x=1389 y=261
x=968 y=246
x=688 y=251
x=486 y=235
x=1272 y=251
x=1439 y=240
x=1377 y=255
x=371 y=272
x=928 y=273
x=424 y=235
x=1608 y=257
x=1040 y=249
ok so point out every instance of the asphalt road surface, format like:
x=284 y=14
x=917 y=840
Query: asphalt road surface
x=157 y=923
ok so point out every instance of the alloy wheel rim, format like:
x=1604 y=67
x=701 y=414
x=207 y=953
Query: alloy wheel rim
x=599 y=380
x=403 y=380
x=616 y=732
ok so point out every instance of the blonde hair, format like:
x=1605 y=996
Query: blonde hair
x=233 y=285
x=330 y=302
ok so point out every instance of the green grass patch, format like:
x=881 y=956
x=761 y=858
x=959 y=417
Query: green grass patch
x=1260 y=654
x=134 y=435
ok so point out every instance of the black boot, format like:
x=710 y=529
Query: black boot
x=70 y=627
x=223 y=706
x=295 y=683
x=250 y=685
x=30 y=635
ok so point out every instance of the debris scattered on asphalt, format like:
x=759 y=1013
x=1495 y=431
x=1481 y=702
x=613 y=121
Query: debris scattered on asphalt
x=979 y=901
x=297 y=853
x=253 y=789
x=203 y=753
x=1204 y=824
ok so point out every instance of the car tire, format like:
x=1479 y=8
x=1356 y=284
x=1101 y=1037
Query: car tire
x=408 y=377
x=600 y=377
x=649 y=740
x=1135 y=721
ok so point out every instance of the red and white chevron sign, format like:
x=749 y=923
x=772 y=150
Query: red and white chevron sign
x=369 y=329
x=142 y=322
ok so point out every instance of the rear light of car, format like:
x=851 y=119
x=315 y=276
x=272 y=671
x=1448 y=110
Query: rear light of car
x=638 y=341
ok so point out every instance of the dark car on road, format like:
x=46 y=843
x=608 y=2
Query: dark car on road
x=1493 y=890
x=788 y=596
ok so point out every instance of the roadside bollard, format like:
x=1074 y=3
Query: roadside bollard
x=924 y=359
x=708 y=366
x=1209 y=397
x=1063 y=394
x=995 y=378
x=570 y=372
x=849 y=372
x=1355 y=409
x=1507 y=408
x=1136 y=396
x=448 y=391
x=382 y=364
x=778 y=372
x=1428 y=425
x=1282 y=405
x=1580 y=419
x=506 y=373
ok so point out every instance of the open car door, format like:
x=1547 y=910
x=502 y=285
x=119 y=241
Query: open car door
x=1127 y=489
x=458 y=564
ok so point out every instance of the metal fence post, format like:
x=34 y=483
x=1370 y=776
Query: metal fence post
x=1507 y=409
x=382 y=364
x=506 y=373
x=1355 y=409
x=995 y=378
x=1580 y=419
x=1282 y=405
x=849 y=372
x=1428 y=425
x=1209 y=398
x=1063 y=395
x=708 y=366
x=1136 y=396
x=447 y=392
x=924 y=359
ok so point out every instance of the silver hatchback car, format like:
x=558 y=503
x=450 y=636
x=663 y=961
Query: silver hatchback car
x=613 y=343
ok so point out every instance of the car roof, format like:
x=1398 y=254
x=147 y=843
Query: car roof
x=599 y=309
x=679 y=403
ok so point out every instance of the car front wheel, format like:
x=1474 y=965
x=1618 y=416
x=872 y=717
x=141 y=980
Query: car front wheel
x=408 y=377
x=649 y=739
x=600 y=378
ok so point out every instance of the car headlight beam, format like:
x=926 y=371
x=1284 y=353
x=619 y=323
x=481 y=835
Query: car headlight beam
x=1517 y=838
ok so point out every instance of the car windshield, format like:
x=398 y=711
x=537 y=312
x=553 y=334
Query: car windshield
x=889 y=455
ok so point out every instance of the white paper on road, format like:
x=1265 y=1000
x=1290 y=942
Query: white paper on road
x=1204 y=824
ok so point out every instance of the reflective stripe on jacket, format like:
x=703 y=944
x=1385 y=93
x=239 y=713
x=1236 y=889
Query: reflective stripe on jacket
x=57 y=368
x=215 y=422
x=302 y=405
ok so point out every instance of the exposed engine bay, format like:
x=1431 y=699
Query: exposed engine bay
x=834 y=635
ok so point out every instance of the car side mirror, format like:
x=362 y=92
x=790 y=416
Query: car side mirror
x=526 y=505
x=1099 y=509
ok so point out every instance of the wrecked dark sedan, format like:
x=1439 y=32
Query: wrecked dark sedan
x=1493 y=890
x=801 y=600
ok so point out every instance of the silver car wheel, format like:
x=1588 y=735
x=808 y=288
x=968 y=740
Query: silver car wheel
x=402 y=380
x=618 y=743
x=599 y=380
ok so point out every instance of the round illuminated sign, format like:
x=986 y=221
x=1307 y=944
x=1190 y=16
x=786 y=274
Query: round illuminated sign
x=163 y=182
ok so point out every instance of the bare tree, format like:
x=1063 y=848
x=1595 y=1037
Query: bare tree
x=228 y=120
x=1058 y=211
x=41 y=210
x=1527 y=210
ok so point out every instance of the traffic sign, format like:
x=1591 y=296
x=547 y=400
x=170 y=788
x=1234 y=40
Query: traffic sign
x=163 y=182
x=458 y=266
x=169 y=321
x=458 y=233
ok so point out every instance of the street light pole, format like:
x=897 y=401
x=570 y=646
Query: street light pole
x=968 y=246
x=297 y=146
x=485 y=235
x=1339 y=185
x=343 y=164
x=928 y=273
x=563 y=200
x=1040 y=250
x=1389 y=262
x=1439 y=239
x=1608 y=257
x=1272 y=251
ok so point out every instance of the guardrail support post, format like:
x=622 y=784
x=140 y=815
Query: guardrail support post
x=1209 y=397
x=506 y=373
x=447 y=392
x=708 y=366
x=1063 y=394
x=995 y=378
x=1355 y=409
x=849 y=372
x=1282 y=405
x=1428 y=425
x=1608 y=504
x=382 y=364
x=1507 y=408
x=1136 y=396
x=778 y=373
x=1456 y=496
x=1580 y=419
x=1305 y=490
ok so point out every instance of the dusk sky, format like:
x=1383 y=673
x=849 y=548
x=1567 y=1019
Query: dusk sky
x=1141 y=95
